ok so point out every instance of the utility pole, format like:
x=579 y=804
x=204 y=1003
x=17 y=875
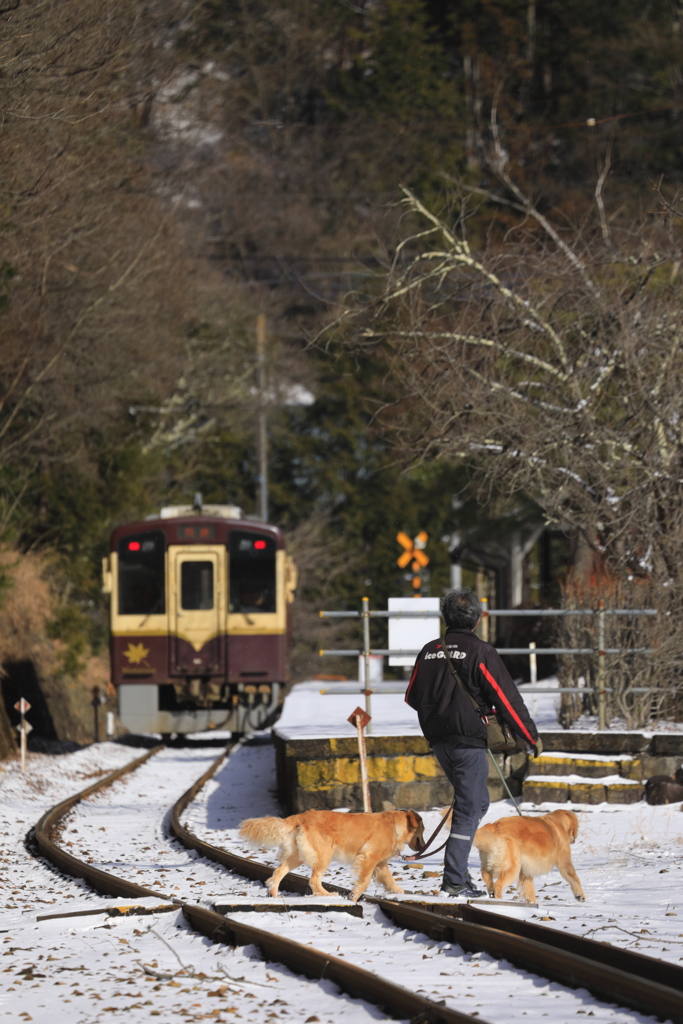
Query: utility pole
x=262 y=417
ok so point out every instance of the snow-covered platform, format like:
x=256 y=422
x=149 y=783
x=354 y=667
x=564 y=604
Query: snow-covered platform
x=318 y=767
x=317 y=752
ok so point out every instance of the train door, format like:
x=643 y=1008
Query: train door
x=198 y=611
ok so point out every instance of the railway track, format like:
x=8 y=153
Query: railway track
x=621 y=976
x=302 y=959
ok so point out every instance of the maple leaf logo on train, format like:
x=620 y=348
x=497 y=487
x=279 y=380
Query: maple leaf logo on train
x=136 y=653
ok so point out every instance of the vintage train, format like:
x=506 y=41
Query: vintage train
x=200 y=602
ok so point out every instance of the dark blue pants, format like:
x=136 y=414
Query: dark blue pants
x=467 y=769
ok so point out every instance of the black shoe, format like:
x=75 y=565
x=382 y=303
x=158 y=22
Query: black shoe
x=468 y=891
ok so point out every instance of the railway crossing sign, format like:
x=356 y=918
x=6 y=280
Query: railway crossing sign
x=22 y=706
x=413 y=554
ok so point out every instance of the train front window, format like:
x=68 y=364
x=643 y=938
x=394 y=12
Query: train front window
x=196 y=586
x=252 y=572
x=142 y=575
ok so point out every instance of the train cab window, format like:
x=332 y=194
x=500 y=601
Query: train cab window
x=142 y=576
x=196 y=586
x=252 y=572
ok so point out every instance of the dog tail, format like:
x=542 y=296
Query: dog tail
x=265 y=831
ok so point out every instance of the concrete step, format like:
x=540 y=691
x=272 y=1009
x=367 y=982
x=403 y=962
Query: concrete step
x=577 y=789
x=591 y=766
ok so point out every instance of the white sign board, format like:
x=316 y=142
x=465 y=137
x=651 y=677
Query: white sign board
x=376 y=668
x=412 y=634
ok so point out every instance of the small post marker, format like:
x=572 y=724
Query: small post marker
x=533 y=675
x=96 y=701
x=24 y=728
x=602 y=708
x=360 y=719
x=485 y=619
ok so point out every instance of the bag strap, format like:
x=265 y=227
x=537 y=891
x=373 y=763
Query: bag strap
x=457 y=677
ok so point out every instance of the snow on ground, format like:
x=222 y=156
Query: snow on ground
x=318 y=709
x=88 y=969
x=619 y=854
x=544 y=709
x=629 y=858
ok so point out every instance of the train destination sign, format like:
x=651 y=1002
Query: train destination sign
x=198 y=531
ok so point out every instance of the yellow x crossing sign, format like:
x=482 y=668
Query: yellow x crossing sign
x=413 y=550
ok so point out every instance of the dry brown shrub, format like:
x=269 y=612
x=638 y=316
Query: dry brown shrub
x=27 y=610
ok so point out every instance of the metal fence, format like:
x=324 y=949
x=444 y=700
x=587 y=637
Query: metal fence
x=600 y=613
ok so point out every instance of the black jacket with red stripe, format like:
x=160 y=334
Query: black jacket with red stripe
x=445 y=712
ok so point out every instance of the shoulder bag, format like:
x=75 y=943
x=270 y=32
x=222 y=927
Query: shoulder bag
x=499 y=738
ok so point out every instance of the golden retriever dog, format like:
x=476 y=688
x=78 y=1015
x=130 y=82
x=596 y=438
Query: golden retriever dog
x=366 y=841
x=517 y=847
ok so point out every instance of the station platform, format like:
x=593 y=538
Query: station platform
x=316 y=752
x=318 y=768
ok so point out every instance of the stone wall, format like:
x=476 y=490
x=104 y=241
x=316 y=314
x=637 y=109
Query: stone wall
x=324 y=774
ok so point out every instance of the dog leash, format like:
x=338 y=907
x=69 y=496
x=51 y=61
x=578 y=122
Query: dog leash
x=425 y=848
x=421 y=853
x=495 y=765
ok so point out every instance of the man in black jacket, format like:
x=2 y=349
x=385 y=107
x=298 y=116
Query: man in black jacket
x=456 y=729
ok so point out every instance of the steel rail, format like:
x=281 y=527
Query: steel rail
x=302 y=959
x=101 y=881
x=616 y=975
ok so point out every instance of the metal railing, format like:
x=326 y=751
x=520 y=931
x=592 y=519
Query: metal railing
x=601 y=613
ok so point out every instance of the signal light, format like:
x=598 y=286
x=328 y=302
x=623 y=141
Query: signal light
x=260 y=545
x=134 y=545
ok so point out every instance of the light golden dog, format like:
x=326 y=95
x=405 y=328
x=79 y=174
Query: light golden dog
x=523 y=848
x=366 y=841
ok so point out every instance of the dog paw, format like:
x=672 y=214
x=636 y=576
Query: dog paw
x=581 y=897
